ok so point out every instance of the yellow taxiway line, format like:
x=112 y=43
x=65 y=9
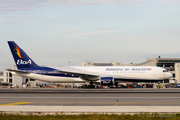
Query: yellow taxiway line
x=17 y=103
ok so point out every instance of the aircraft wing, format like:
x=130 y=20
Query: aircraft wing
x=77 y=73
x=80 y=73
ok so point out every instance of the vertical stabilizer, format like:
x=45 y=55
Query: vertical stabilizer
x=22 y=60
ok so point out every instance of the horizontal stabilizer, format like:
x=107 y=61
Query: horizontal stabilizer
x=18 y=71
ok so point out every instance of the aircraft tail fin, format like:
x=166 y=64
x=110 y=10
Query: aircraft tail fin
x=22 y=60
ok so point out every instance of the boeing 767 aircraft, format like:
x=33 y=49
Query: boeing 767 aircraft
x=104 y=75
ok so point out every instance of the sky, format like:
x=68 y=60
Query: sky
x=56 y=32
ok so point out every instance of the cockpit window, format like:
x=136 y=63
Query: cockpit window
x=165 y=71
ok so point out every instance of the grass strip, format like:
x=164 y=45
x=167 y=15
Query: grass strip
x=141 y=116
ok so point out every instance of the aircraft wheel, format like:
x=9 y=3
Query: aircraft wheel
x=85 y=87
x=89 y=86
x=92 y=86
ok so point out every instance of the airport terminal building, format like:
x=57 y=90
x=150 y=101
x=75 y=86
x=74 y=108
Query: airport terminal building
x=171 y=64
x=10 y=79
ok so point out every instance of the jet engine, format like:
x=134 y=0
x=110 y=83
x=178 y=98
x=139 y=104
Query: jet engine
x=107 y=81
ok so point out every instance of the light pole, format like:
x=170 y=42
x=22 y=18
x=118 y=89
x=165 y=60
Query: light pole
x=69 y=63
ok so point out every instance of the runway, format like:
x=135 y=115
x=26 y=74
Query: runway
x=75 y=90
x=90 y=97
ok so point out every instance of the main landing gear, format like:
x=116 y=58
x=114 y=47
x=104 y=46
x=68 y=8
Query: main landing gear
x=89 y=86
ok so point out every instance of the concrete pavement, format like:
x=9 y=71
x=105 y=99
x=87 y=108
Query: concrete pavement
x=88 y=109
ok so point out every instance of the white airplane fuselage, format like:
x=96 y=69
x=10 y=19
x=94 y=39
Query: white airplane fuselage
x=120 y=73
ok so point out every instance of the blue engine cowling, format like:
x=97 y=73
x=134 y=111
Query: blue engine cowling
x=107 y=81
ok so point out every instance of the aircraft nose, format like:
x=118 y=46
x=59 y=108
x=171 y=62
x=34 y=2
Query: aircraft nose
x=169 y=75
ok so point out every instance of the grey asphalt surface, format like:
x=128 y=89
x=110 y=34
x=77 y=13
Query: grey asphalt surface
x=90 y=97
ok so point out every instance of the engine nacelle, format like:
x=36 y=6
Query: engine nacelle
x=107 y=81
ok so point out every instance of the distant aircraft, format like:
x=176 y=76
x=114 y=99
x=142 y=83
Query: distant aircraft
x=90 y=75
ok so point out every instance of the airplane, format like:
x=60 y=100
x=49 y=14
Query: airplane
x=90 y=75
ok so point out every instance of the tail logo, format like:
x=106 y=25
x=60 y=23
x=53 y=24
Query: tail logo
x=17 y=51
x=21 y=62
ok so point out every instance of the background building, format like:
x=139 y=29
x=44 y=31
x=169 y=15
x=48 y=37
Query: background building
x=9 y=78
x=177 y=72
